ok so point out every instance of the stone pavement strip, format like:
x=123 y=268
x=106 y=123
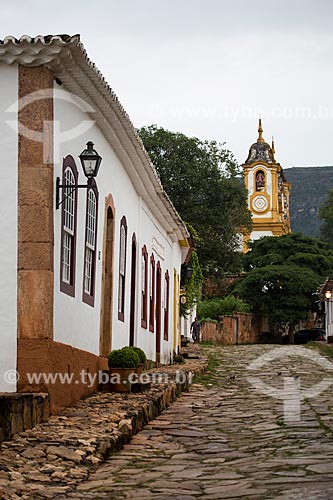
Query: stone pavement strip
x=224 y=439
x=57 y=455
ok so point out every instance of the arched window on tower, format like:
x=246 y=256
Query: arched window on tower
x=260 y=180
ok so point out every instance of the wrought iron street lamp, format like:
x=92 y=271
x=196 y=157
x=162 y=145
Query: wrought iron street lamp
x=189 y=272
x=186 y=274
x=90 y=161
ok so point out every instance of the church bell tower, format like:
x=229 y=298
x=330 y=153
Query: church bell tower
x=268 y=190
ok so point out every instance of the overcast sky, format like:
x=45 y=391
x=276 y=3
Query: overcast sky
x=207 y=68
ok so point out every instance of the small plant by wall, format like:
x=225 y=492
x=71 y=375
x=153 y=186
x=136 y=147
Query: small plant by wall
x=141 y=354
x=213 y=309
x=123 y=358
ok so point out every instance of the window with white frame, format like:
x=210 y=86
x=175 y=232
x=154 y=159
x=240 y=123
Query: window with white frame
x=68 y=228
x=122 y=269
x=90 y=246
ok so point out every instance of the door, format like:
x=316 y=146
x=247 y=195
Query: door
x=158 y=311
x=133 y=290
x=107 y=285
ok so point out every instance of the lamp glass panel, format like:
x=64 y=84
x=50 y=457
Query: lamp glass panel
x=89 y=166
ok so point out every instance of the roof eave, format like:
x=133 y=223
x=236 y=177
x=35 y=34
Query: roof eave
x=67 y=58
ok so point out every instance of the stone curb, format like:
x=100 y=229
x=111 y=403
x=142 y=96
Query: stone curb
x=51 y=459
x=139 y=417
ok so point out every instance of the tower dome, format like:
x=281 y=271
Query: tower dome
x=260 y=150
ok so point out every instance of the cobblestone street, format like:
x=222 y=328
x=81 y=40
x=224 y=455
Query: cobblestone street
x=166 y=293
x=226 y=440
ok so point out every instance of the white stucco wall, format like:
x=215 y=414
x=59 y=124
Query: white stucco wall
x=329 y=317
x=8 y=227
x=186 y=324
x=255 y=235
x=168 y=255
x=75 y=322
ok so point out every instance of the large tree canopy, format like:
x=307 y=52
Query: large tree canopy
x=201 y=179
x=283 y=276
x=290 y=249
x=284 y=293
x=326 y=215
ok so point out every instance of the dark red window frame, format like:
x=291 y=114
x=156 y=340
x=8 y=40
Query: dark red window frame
x=144 y=293
x=89 y=298
x=69 y=288
x=122 y=278
x=152 y=295
x=166 y=305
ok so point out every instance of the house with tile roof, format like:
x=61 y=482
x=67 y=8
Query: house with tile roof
x=84 y=270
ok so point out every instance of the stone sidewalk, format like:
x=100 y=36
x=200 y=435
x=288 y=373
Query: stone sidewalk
x=225 y=439
x=53 y=458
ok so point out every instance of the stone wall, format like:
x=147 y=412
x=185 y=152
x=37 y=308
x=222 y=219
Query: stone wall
x=240 y=328
x=65 y=363
x=35 y=205
x=19 y=412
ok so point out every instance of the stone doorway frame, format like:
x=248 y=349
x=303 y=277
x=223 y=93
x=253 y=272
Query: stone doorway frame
x=107 y=278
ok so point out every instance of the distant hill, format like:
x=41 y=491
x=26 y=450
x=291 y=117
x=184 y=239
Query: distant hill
x=309 y=188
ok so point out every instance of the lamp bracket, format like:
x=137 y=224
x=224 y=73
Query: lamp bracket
x=66 y=186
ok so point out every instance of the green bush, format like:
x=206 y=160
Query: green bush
x=214 y=308
x=141 y=354
x=193 y=285
x=124 y=358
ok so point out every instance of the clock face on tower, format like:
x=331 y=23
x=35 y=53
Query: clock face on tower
x=260 y=203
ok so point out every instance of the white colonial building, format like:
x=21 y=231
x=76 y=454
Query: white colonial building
x=325 y=293
x=100 y=271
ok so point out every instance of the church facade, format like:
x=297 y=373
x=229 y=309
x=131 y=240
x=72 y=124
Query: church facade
x=268 y=191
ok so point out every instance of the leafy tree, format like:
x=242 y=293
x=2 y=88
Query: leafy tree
x=284 y=293
x=214 y=308
x=202 y=181
x=284 y=274
x=192 y=286
x=326 y=215
x=290 y=249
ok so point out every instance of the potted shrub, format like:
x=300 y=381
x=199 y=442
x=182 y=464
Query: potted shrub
x=122 y=363
x=142 y=357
